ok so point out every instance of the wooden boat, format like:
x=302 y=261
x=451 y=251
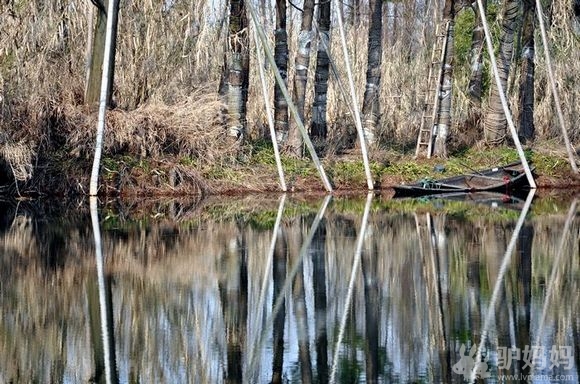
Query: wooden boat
x=507 y=179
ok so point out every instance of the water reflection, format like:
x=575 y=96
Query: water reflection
x=281 y=290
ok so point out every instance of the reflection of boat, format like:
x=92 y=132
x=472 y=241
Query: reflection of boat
x=509 y=178
x=492 y=199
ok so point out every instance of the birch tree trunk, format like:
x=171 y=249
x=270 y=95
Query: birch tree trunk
x=475 y=87
x=95 y=66
x=444 y=124
x=281 y=58
x=371 y=106
x=318 y=128
x=495 y=121
x=294 y=146
x=526 y=98
x=238 y=70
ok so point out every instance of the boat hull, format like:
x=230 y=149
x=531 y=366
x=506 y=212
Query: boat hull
x=508 y=179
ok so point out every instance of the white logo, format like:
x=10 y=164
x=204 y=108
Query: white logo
x=467 y=364
x=532 y=357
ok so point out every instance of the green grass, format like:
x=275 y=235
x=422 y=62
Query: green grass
x=346 y=173
x=353 y=172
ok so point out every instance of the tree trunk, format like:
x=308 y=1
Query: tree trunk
x=495 y=120
x=318 y=128
x=294 y=146
x=95 y=72
x=526 y=118
x=371 y=106
x=238 y=70
x=475 y=88
x=444 y=123
x=281 y=58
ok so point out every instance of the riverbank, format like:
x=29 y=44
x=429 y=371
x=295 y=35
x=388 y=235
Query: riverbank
x=253 y=170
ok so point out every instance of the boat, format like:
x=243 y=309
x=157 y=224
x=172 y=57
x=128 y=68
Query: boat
x=508 y=179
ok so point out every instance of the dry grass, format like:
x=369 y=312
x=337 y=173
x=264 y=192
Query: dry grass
x=168 y=67
x=565 y=54
x=193 y=128
x=19 y=157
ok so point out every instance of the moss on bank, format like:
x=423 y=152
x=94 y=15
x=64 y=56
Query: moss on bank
x=254 y=171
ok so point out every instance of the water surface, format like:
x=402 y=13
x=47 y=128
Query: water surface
x=346 y=290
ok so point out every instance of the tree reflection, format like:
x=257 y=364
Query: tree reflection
x=318 y=253
x=100 y=303
x=233 y=288
x=278 y=275
x=201 y=301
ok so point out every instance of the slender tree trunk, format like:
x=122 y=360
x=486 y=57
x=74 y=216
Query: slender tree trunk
x=318 y=128
x=527 y=129
x=238 y=70
x=93 y=87
x=301 y=76
x=281 y=58
x=444 y=123
x=90 y=14
x=475 y=87
x=495 y=120
x=371 y=106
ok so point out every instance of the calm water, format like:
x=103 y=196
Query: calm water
x=344 y=290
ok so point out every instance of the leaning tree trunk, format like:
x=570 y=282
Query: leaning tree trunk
x=495 y=128
x=526 y=117
x=475 y=88
x=318 y=128
x=444 y=123
x=238 y=70
x=294 y=146
x=97 y=53
x=371 y=106
x=281 y=59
